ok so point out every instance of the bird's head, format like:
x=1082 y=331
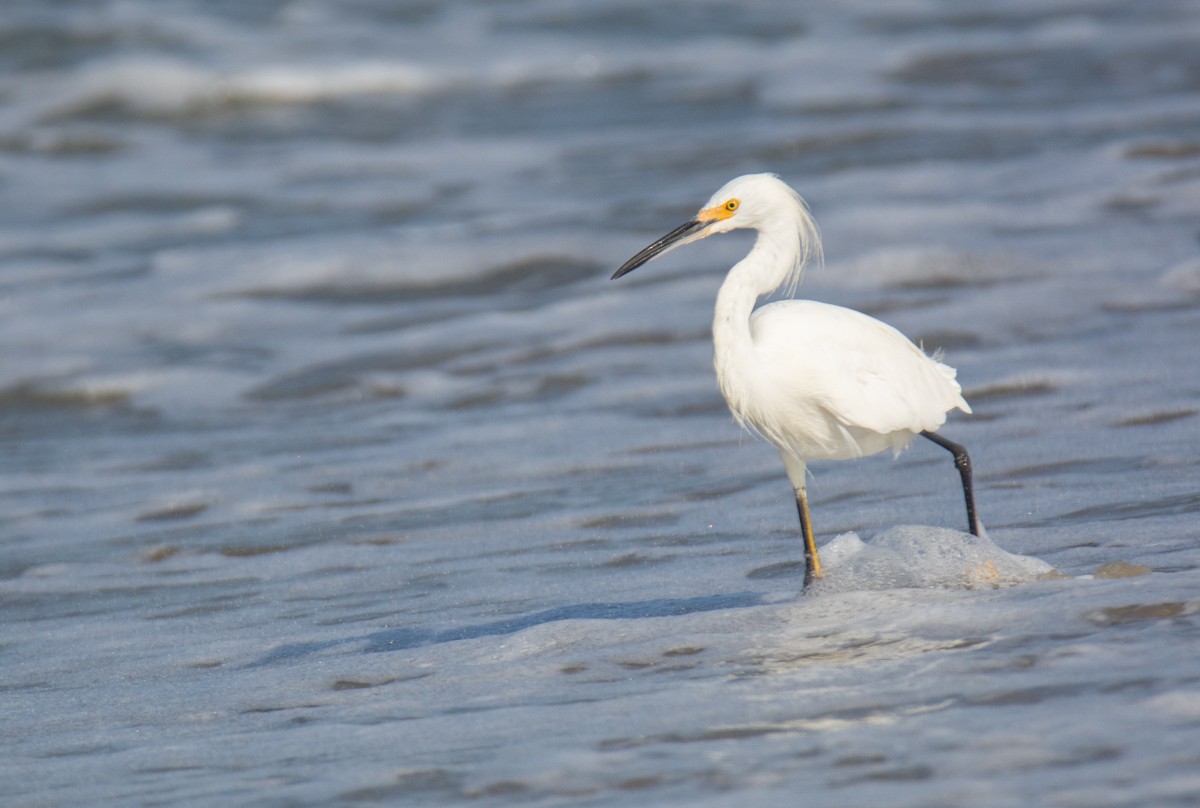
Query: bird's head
x=758 y=201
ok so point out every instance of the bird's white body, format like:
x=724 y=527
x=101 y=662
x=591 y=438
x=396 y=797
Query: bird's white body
x=823 y=382
x=817 y=381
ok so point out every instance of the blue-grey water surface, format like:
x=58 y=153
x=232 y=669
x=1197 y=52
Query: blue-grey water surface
x=334 y=471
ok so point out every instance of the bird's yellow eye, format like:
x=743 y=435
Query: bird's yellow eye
x=732 y=205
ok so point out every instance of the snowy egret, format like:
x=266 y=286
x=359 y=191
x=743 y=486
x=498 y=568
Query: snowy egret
x=818 y=381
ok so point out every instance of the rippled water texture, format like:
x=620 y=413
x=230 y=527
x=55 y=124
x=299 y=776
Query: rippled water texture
x=334 y=471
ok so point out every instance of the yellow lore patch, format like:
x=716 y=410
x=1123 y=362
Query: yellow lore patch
x=719 y=212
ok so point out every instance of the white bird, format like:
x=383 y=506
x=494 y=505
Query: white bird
x=819 y=381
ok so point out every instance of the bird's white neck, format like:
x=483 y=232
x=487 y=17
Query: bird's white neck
x=731 y=316
x=768 y=266
x=778 y=251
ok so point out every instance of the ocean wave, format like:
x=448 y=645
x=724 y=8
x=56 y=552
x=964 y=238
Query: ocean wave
x=162 y=87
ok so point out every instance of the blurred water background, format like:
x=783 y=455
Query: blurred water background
x=333 y=470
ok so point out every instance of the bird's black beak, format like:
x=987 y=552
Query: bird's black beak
x=680 y=235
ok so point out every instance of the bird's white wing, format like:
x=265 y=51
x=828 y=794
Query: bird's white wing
x=863 y=372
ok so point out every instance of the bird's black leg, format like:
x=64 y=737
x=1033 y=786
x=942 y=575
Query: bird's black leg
x=812 y=561
x=963 y=463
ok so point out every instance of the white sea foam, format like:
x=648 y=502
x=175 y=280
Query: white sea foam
x=917 y=556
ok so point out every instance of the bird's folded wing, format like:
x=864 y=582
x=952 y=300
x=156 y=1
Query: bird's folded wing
x=863 y=372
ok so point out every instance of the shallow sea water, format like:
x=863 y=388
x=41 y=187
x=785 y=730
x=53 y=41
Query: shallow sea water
x=334 y=471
